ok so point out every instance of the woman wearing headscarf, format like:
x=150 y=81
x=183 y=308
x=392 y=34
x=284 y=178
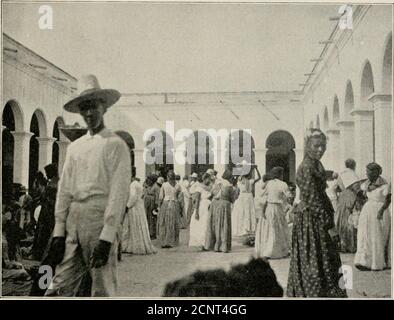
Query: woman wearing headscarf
x=315 y=262
x=373 y=233
x=272 y=240
x=347 y=207
x=218 y=236
x=168 y=221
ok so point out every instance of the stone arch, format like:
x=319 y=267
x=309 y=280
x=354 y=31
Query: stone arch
x=58 y=135
x=160 y=146
x=128 y=138
x=367 y=86
x=349 y=100
x=42 y=122
x=335 y=111
x=199 y=152
x=17 y=114
x=317 y=122
x=280 y=146
x=387 y=67
x=12 y=120
x=326 y=120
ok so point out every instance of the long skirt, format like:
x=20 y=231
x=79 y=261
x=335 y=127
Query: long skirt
x=184 y=218
x=243 y=215
x=136 y=238
x=218 y=236
x=198 y=228
x=150 y=205
x=347 y=231
x=315 y=262
x=272 y=240
x=372 y=237
x=168 y=224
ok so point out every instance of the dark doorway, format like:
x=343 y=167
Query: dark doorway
x=201 y=158
x=7 y=148
x=34 y=150
x=162 y=152
x=280 y=145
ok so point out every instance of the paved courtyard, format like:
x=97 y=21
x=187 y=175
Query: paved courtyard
x=146 y=276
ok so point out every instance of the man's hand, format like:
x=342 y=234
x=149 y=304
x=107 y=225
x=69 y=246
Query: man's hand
x=100 y=254
x=57 y=250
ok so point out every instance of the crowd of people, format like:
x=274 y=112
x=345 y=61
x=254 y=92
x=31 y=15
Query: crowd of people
x=79 y=225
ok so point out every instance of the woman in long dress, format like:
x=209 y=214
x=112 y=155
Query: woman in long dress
x=315 y=262
x=136 y=238
x=374 y=223
x=243 y=214
x=168 y=221
x=151 y=203
x=346 y=210
x=272 y=240
x=198 y=222
x=218 y=236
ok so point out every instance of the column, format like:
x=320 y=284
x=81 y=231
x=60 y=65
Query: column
x=382 y=104
x=63 y=145
x=45 y=151
x=363 y=142
x=333 y=148
x=139 y=163
x=21 y=157
x=346 y=141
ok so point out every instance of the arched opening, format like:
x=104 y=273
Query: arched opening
x=33 y=150
x=59 y=123
x=367 y=86
x=240 y=147
x=317 y=122
x=325 y=119
x=335 y=111
x=130 y=144
x=387 y=81
x=280 y=145
x=349 y=100
x=38 y=128
x=7 y=147
x=199 y=153
x=161 y=147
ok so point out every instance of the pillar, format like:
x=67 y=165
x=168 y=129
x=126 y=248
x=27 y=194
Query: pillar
x=363 y=142
x=21 y=156
x=45 y=151
x=333 y=148
x=63 y=145
x=346 y=142
x=382 y=105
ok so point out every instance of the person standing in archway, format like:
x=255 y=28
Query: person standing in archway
x=315 y=262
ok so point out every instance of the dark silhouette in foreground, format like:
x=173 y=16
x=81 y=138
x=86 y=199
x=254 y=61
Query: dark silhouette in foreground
x=254 y=279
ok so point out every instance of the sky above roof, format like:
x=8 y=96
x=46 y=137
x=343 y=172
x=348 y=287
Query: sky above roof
x=152 y=47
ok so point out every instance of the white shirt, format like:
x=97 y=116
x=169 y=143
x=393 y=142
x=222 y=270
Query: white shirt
x=97 y=165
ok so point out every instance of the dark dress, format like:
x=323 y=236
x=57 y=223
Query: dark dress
x=46 y=220
x=151 y=203
x=218 y=236
x=315 y=261
x=347 y=203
